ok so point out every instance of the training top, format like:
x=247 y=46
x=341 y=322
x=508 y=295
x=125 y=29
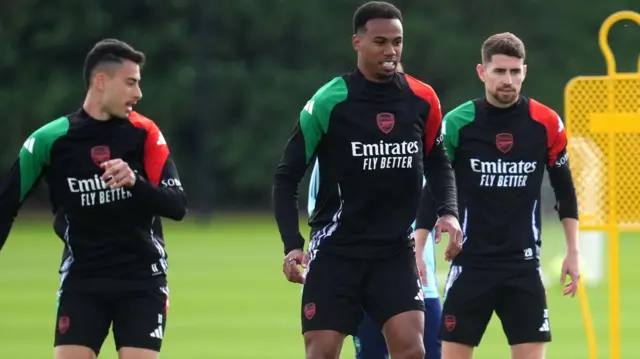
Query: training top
x=112 y=237
x=373 y=142
x=499 y=156
x=429 y=217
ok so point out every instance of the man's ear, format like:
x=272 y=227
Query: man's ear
x=480 y=71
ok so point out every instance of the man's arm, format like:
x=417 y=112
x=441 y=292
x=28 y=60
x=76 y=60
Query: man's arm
x=11 y=199
x=298 y=153
x=437 y=166
x=427 y=215
x=563 y=186
x=26 y=173
x=162 y=190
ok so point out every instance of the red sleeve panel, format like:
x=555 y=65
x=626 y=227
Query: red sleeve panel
x=156 y=150
x=161 y=191
x=434 y=117
x=558 y=160
x=437 y=166
x=556 y=134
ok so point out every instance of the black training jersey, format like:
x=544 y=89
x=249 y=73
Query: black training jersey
x=373 y=142
x=112 y=237
x=499 y=156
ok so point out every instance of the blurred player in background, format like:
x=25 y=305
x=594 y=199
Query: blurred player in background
x=369 y=341
x=500 y=145
x=110 y=178
x=375 y=133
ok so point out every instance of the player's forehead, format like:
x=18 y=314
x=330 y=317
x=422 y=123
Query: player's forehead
x=505 y=62
x=128 y=69
x=386 y=28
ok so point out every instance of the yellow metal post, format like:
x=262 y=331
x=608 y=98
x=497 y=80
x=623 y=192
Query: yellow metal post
x=604 y=111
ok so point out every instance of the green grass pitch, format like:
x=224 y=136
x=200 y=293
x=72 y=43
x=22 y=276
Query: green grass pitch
x=229 y=299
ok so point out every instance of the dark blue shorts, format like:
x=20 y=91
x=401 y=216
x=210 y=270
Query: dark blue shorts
x=370 y=343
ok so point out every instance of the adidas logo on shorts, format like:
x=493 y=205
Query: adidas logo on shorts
x=545 y=326
x=157 y=333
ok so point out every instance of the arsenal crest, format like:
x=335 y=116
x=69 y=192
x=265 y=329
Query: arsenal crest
x=450 y=322
x=63 y=324
x=309 y=311
x=100 y=154
x=504 y=142
x=385 y=121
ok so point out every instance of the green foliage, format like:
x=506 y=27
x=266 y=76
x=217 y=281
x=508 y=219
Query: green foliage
x=266 y=58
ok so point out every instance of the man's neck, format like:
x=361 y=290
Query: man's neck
x=94 y=109
x=369 y=76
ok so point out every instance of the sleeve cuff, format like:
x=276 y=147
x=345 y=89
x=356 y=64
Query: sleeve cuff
x=142 y=187
x=448 y=211
x=293 y=242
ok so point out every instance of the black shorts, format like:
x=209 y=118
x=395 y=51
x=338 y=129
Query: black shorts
x=337 y=289
x=138 y=317
x=517 y=296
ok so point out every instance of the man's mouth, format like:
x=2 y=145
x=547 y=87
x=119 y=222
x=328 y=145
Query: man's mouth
x=389 y=65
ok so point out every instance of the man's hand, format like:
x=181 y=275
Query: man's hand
x=571 y=268
x=290 y=266
x=449 y=224
x=118 y=174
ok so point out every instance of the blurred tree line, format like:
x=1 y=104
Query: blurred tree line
x=226 y=80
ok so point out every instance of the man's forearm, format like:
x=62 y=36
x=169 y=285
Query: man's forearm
x=288 y=174
x=286 y=212
x=168 y=202
x=571 y=226
x=441 y=180
x=10 y=200
x=427 y=216
x=441 y=183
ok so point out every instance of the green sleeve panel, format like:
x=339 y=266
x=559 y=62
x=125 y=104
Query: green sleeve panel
x=315 y=116
x=35 y=153
x=453 y=122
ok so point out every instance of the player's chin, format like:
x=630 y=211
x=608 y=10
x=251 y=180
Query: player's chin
x=126 y=111
x=385 y=74
x=507 y=97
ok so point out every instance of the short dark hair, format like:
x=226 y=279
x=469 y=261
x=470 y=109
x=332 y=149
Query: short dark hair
x=504 y=43
x=374 y=10
x=109 y=51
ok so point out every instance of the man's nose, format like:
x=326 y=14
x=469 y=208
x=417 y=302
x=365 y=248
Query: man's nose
x=389 y=50
x=138 y=94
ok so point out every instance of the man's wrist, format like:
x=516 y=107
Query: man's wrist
x=573 y=250
x=448 y=212
x=142 y=187
x=292 y=250
x=292 y=243
x=132 y=183
x=134 y=179
x=287 y=251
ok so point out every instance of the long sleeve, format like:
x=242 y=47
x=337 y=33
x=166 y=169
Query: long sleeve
x=23 y=176
x=298 y=153
x=427 y=216
x=560 y=175
x=437 y=166
x=161 y=191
